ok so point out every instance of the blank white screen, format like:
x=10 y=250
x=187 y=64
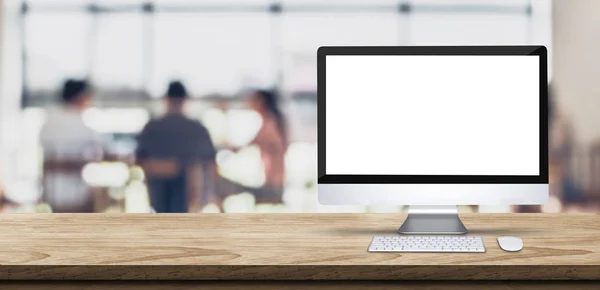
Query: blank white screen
x=432 y=115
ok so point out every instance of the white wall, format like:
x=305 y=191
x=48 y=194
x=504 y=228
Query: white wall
x=2 y=164
x=10 y=87
x=576 y=64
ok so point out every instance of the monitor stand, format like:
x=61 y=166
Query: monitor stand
x=426 y=220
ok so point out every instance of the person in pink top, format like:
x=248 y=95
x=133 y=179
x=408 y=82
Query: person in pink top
x=272 y=141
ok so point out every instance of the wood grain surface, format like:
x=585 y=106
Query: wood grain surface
x=284 y=247
x=298 y=285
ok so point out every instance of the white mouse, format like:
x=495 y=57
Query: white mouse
x=510 y=244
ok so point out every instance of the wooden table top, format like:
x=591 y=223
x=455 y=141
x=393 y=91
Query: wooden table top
x=284 y=246
x=300 y=285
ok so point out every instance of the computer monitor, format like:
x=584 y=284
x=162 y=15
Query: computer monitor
x=432 y=127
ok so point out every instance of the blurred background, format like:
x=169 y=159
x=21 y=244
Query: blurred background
x=129 y=50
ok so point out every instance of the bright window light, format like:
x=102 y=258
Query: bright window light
x=215 y=121
x=301 y=162
x=243 y=126
x=136 y=198
x=106 y=174
x=235 y=127
x=244 y=167
x=239 y=203
x=130 y=120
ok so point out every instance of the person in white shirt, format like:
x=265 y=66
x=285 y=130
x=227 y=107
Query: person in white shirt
x=68 y=145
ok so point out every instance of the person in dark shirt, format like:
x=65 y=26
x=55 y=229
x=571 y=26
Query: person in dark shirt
x=173 y=151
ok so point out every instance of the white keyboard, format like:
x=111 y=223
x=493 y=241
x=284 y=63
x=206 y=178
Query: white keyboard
x=459 y=244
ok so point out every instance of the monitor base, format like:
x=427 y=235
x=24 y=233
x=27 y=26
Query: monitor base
x=432 y=220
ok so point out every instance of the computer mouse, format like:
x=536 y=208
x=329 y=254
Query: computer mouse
x=510 y=244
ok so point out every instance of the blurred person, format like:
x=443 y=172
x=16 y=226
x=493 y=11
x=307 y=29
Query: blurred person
x=175 y=152
x=562 y=152
x=2 y=190
x=272 y=141
x=551 y=104
x=68 y=145
x=3 y=199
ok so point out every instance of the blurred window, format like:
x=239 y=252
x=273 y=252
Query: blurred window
x=224 y=46
x=438 y=28
x=130 y=48
x=56 y=45
x=118 y=53
x=212 y=52
x=304 y=32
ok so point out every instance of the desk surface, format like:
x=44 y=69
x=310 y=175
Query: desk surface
x=284 y=246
